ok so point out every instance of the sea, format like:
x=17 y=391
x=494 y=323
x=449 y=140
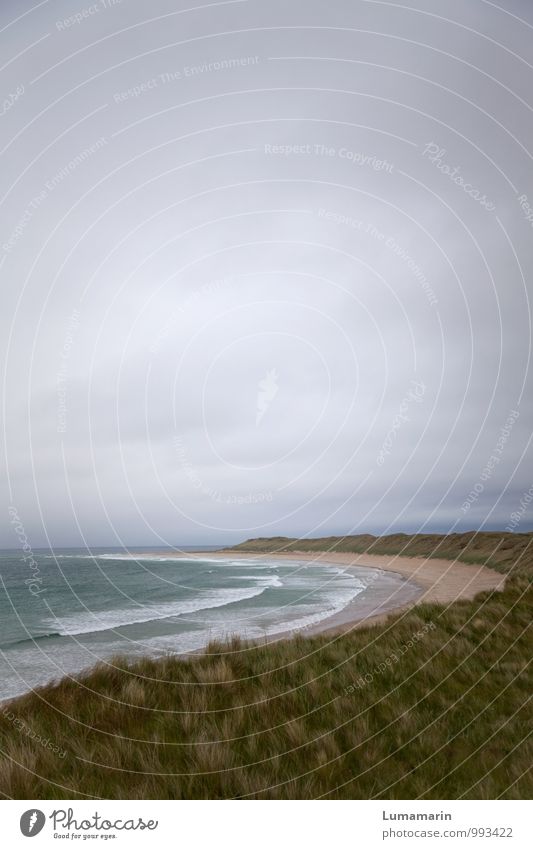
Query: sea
x=63 y=611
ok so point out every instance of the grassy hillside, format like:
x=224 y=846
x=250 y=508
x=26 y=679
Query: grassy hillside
x=503 y=551
x=433 y=704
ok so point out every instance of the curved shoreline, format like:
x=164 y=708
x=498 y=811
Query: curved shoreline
x=426 y=579
x=421 y=580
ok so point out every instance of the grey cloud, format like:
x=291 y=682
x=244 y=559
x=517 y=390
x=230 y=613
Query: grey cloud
x=238 y=191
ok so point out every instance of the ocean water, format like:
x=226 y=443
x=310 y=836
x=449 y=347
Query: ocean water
x=72 y=609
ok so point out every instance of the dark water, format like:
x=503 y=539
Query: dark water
x=71 y=609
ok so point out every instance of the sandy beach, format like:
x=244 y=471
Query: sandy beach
x=424 y=580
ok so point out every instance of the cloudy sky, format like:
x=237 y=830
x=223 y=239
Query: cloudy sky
x=265 y=268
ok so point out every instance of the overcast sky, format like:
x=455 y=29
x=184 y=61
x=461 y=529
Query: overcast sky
x=265 y=268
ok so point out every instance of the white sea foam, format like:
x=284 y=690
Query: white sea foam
x=251 y=624
x=138 y=558
x=150 y=558
x=313 y=605
x=303 y=594
x=271 y=581
x=88 y=623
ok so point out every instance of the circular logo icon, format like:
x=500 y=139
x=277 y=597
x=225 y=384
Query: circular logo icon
x=32 y=822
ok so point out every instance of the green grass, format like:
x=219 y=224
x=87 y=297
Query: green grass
x=445 y=718
x=503 y=551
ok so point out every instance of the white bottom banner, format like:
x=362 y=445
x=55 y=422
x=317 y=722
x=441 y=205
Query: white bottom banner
x=268 y=824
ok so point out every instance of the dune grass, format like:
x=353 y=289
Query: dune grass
x=431 y=704
x=506 y=552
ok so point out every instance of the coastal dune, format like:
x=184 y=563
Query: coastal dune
x=426 y=580
x=356 y=714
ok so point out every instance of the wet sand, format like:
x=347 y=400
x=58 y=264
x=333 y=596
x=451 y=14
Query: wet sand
x=424 y=580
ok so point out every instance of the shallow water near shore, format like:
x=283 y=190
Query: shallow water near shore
x=75 y=608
